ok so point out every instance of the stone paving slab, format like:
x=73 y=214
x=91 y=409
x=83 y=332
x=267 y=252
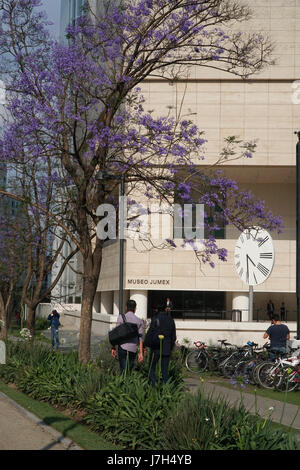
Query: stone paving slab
x=22 y=430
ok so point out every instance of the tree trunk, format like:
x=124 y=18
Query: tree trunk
x=30 y=321
x=3 y=327
x=3 y=318
x=91 y=271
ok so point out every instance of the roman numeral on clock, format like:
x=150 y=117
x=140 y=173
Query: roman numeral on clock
x=263 y=241
x=265 y=271
x=266 y=255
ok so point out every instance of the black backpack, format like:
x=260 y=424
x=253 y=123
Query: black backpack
x=151 y=339
x=123 y=333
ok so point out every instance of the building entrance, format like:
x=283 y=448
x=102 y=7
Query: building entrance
x=203 y=305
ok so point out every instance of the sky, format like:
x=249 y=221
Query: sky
x=52 y=8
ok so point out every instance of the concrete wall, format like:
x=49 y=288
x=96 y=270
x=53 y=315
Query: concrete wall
x=210 y=332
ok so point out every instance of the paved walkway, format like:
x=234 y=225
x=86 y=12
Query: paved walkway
x=69 y=340
x=279 y=412
x=21 y=430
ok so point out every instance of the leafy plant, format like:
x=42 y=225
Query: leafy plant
x=130 y=412
x=207 y=423
x=41 y=323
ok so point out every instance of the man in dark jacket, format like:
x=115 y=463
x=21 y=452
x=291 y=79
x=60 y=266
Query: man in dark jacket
x=54 y=325
x=163 y=326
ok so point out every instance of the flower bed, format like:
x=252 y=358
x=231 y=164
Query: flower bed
x=128 y=411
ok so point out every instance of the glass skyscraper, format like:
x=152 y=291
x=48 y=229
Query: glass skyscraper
x=70 y=9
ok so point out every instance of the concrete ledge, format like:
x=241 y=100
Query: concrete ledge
x=209 y=331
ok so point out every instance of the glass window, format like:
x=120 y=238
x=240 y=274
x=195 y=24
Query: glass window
x=190 y=304
x=212 y=214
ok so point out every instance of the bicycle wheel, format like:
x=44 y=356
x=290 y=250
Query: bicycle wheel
x=228 y=369
x=266 y=374
x=240 y=367
x=284 y=381
x=248 y=370
x=255 y=370
x=196 y=361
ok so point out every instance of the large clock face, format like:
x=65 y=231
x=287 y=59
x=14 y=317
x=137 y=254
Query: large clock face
x=254 y=256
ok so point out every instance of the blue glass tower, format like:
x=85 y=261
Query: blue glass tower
x=70 y=9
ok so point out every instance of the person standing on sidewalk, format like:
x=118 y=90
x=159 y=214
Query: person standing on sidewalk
x=54 y=325
x=127 y=351
x=278 y=335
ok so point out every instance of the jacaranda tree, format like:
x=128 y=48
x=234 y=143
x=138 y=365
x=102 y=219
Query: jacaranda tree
x=79 y=105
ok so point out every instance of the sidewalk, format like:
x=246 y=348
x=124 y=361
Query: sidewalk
x=279 y=412
x=21 y=430
x=69 y=339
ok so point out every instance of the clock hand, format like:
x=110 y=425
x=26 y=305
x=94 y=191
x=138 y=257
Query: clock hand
x=248 y=257
x=247 y=267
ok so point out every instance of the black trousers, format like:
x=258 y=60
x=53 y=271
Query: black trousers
x=154 y=359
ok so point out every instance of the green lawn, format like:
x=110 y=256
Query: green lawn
x=291 y=397
x=75 y=431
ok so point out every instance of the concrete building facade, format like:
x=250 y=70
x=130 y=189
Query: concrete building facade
x=265 y=107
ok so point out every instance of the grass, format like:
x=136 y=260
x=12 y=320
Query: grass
x=75 y=431
x=291 y=397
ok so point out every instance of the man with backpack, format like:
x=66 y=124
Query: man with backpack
x=161 y=338
x=127 y=351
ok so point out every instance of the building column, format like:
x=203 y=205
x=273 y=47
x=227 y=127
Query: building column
x=106 y=302
x=141 y=298
x=97 y=302
x=116 y=302
x=240 y=301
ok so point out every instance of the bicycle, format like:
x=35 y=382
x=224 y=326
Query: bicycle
x=270 y=375
x=232 y=363
x=204 y=357
x=249 y=366
x=290 y=379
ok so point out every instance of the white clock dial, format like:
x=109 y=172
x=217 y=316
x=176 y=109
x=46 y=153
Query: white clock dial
x=254 y=256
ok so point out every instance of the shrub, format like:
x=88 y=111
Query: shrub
x=201 y=423
x=130 y=412
x=62 y=379
x=49 y=376
x=104 y=359
x=41 y=323
x=176 y=366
